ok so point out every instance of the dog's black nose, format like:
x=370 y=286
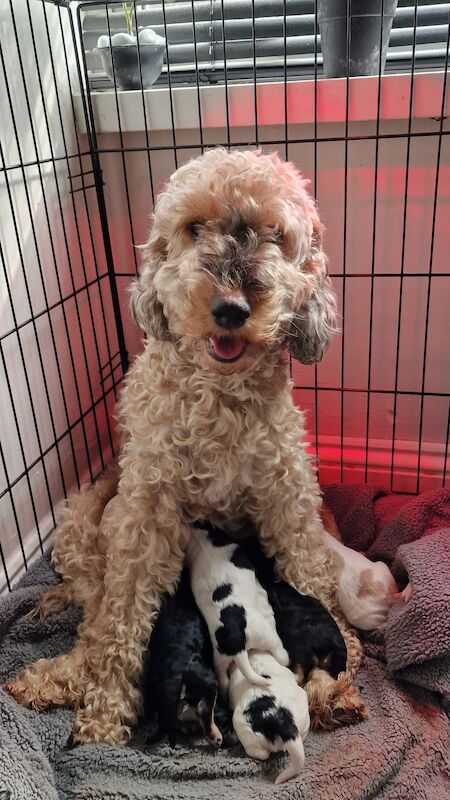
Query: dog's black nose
x=230 y=313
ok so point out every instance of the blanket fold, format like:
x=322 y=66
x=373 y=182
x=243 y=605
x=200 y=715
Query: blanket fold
x=418 y=632
x=412 y=535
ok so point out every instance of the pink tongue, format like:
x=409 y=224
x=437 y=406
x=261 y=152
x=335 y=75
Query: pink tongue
x=228 y=348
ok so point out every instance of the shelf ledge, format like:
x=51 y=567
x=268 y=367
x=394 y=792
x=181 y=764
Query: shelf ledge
x=272 y=100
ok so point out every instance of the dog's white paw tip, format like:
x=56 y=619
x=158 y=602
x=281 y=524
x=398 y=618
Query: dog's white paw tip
x=402 y=597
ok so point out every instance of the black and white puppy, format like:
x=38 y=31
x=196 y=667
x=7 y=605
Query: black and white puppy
x=308 y=631
x=270 y=720
x=179 y=683
x=233 y=603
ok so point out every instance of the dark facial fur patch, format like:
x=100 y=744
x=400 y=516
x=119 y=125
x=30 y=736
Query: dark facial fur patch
x=234 y=258
x=271 y=720
x=230 y=637
x=231 y=260
x=221 y=592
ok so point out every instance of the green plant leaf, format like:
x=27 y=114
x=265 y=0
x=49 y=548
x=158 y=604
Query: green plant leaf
x=128 y=10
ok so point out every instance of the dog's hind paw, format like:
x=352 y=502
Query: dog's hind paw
x=333 y=703
x=349 y=707
x=26 y=695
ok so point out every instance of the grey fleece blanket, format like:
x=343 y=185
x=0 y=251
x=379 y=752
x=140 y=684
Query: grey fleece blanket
x=400 y=752
x=418 y=633
x=412 y=535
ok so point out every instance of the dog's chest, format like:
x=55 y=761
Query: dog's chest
x=220 y=451
x=208 y=446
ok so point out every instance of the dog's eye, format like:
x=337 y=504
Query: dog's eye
x=193 y=229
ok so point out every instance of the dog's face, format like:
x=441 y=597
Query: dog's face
x=234 y=266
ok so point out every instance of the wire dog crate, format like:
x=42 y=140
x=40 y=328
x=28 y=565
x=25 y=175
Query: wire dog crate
x=81 y=164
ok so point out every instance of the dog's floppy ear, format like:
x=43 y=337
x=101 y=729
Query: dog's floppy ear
x=145 y=307
x=315 y=319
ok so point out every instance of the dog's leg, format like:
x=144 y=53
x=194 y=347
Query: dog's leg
x=290 y=529
x=50 y=681
x=100 y=675
x=76 y=554
x=146 y=544
x=55 y=599
x=286 y=509
x=58 y=681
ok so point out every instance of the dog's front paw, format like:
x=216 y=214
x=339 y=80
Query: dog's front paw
x=26 y=694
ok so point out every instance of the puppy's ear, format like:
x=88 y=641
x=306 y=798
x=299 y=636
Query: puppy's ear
x=145 y=307
x=315 y=319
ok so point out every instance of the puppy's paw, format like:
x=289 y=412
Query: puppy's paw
x=402 y=597
x=407 y=593
x=214 y=736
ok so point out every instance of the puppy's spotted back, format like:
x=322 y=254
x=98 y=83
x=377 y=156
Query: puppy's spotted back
x=233 y=602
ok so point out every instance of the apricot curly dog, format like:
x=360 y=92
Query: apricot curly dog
x=233 y=278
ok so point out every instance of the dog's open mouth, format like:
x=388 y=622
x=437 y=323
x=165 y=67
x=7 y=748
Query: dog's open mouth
x=226 y=348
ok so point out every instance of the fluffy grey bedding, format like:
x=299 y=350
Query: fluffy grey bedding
x=400 y=752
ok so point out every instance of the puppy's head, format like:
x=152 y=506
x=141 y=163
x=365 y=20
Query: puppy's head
x=198 y=698
x=234 y=265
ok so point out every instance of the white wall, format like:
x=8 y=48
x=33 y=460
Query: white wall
x=330 y=187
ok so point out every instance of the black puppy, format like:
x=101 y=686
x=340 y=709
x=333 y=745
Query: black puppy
x=179 y=683
x=307 y=630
